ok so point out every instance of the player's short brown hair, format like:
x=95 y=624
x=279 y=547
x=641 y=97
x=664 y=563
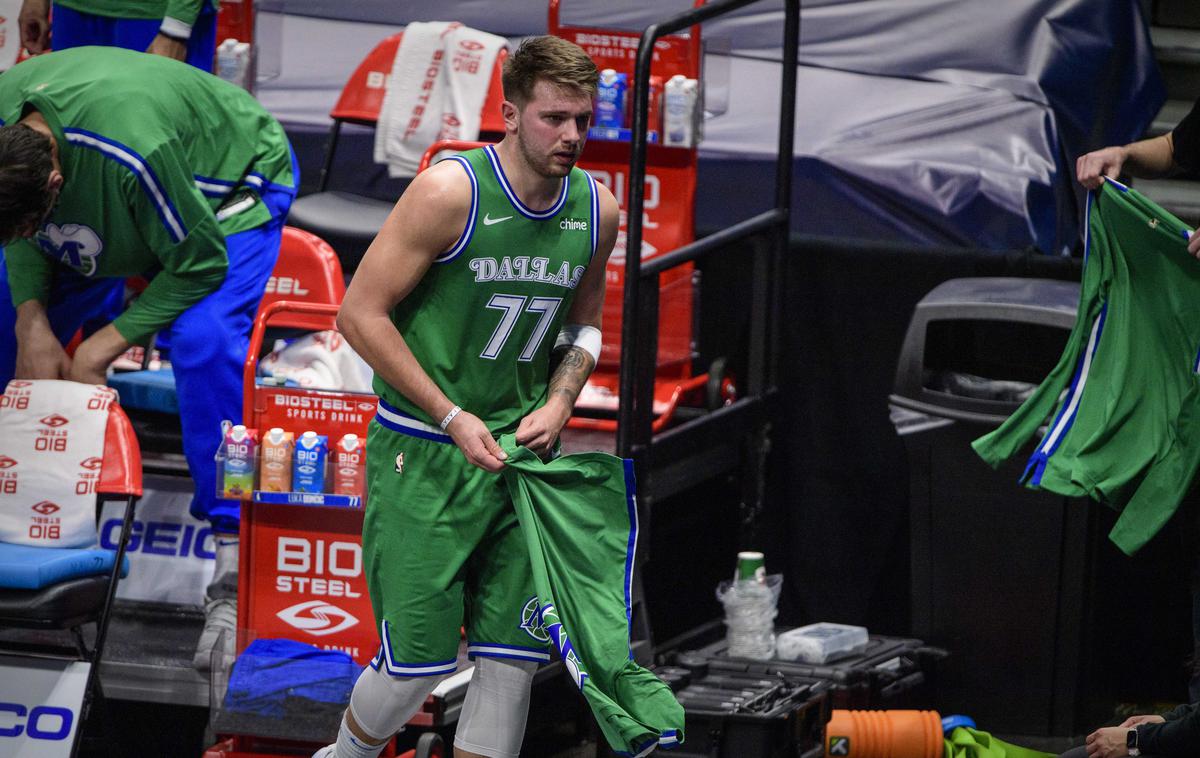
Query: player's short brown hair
x=25 y=166
x=552 y=59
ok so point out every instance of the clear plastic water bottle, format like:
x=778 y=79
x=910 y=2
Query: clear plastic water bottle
x=750 y=601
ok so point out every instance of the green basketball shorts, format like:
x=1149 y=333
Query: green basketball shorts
x=442 y=549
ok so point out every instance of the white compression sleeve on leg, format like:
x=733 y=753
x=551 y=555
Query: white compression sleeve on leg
x=496 y=707
x=382 y=704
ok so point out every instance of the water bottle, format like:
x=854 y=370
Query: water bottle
x=750 y=606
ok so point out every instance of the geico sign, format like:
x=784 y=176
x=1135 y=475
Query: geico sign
x=42 y=722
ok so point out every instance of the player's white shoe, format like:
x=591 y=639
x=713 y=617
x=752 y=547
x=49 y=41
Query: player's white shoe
x=325 y=752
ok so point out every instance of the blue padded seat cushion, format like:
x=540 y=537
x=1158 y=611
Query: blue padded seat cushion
x=26 y=567
x=147 y=390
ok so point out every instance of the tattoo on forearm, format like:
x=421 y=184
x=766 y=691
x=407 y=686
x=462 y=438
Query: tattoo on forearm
x=570 y=369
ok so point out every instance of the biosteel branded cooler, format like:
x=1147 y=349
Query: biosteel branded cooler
x=301 y=559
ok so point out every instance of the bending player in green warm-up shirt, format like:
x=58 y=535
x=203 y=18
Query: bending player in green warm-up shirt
x=116 y=164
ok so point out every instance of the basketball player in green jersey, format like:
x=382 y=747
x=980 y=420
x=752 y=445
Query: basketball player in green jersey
x=479 y=307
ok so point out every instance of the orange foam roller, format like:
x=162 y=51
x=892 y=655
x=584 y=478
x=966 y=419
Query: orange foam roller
x=884 y=734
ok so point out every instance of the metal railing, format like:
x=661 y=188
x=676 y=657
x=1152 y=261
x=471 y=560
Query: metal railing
x=639 y=335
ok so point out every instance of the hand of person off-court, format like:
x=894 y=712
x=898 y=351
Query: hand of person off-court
x=1091 y=168
x=1108 y=742
x=168 y=48
x=42 y=359
x=1194 y=244
x=476 y=442
x=34 y=22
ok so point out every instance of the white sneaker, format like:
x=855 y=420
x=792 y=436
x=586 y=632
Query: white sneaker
x=325 y=752
x=220 y=627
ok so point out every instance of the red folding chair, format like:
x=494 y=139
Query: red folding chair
x=307 y=271
x=348 y=220
x=59 y=682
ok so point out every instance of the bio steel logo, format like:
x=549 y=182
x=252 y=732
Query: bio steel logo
x=91 y=464
x=317 y=567
x=6 y=462
x=317 y=617
x=54 y=421
x=46 y=508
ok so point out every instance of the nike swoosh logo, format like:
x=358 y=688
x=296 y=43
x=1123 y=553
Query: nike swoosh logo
x=489 y=221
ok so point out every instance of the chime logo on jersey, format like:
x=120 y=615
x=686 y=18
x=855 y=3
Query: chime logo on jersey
x=573 y=224
x=317 y=618
x=74 y=245
x=531 y=623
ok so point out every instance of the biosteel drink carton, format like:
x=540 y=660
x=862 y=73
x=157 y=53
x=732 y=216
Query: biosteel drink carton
x=349 y=466
x=308 y=474
x=275 y=473
x=241 y=445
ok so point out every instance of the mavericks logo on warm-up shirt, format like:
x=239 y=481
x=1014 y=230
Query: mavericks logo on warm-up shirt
x=74 y=245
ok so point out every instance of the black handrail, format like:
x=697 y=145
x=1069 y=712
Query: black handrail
x=639 y=342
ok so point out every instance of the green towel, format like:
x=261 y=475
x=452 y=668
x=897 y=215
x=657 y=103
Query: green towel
x=965 y=742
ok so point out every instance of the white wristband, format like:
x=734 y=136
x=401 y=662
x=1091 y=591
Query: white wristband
x=181 y=31
x=583 y=336
x=450 y=417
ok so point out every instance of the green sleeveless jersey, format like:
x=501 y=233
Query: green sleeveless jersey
x=483 y=319
x=1125 y=395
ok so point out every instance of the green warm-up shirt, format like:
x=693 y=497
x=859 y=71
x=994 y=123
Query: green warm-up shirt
x=161 y=162
x=182 y=10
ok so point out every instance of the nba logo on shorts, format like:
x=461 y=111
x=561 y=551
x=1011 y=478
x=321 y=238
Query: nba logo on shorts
x=399 y=463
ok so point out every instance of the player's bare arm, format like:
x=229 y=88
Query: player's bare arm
x=571 y=365
x=39 y=353
x=425 y=222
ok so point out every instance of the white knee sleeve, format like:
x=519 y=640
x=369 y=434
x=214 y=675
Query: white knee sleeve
x=382 y=704
x=496 y=708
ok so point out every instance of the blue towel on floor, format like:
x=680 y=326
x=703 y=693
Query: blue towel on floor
x=272 y=677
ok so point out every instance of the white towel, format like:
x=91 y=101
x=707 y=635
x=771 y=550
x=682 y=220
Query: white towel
x=53 y=435
x=439 y=82
x=321 y=360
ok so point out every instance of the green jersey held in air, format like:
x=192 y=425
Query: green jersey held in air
x=157 y=173
x=483 y=319
x=1127 y=430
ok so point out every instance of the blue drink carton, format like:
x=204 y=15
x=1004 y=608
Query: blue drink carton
x=309 y=472
x=610 y=99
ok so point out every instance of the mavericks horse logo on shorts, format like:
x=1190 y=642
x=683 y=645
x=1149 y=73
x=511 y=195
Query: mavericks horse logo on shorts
x=531 y=622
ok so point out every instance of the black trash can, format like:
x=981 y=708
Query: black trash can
x=1023 y=589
